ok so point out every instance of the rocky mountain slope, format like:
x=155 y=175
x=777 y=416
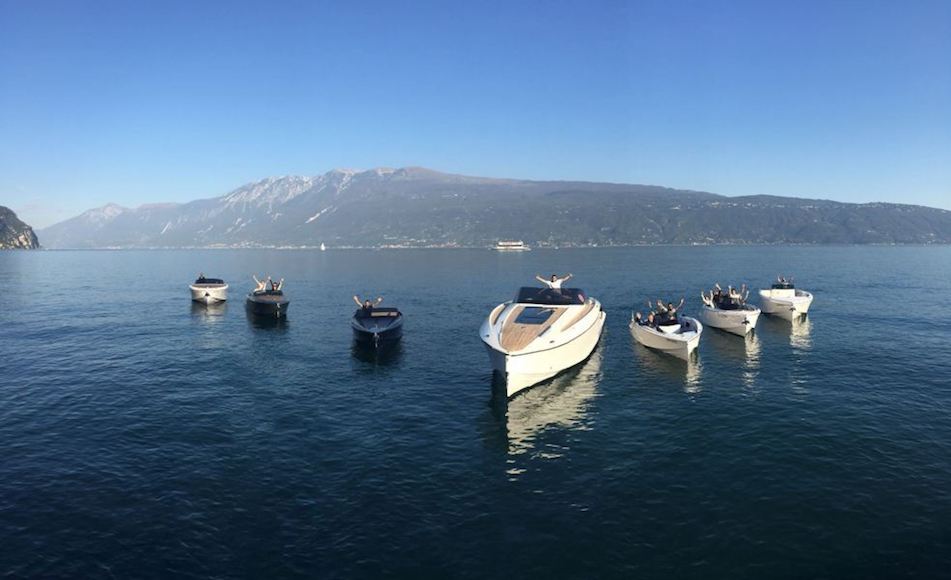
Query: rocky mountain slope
x=420 y=207
x=14 y=234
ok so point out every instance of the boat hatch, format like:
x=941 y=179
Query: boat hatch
x=533 y=315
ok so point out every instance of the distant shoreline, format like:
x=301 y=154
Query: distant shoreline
x=485 y=248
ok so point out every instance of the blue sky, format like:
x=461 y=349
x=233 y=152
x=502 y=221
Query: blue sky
x=137 y=102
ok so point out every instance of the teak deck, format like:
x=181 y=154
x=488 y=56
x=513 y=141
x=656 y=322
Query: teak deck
x=581 y=314
x=516 y=336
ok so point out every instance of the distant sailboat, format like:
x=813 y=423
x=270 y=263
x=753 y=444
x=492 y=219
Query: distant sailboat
x=323 y=248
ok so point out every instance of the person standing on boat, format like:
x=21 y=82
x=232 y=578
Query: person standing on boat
x=554 y=282
x=366 y=305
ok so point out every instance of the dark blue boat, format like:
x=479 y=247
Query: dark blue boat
x=377 y=326
x=270 y=303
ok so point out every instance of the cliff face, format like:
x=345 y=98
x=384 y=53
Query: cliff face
x=14 y=234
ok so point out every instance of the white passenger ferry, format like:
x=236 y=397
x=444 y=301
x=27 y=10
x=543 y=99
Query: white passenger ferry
x=511 y=246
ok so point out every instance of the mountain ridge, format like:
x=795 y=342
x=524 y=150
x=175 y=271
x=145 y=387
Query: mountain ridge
x=416 y=206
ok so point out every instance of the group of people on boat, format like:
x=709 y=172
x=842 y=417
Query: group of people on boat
x=662 y=315
x=730 y=299
x=783 y=283
x=267 y=286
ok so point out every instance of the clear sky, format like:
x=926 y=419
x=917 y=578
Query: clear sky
x=137 y=102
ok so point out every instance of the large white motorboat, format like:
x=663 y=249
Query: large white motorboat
x=511 y=246
x=541 y=333
x=678 y=337
x=783 y=299
x=729 y=313
x=208 y=290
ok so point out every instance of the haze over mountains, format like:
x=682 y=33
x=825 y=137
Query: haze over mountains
x=419 y=207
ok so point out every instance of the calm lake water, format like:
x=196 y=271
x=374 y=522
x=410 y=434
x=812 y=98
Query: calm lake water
x=141 y=436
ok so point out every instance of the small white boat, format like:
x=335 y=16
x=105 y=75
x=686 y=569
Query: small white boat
x=511 y=246
x=785 y=300
x=323 y=247
x=539 y=334
x=678 y=338
x=738 y=319
x=208 y=290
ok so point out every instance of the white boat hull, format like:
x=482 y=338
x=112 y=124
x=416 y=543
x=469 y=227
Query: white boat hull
x=787 y=304
x=679 y=345
x=209 y=295
x=738 y=322
x=525 y=370
x=553 y=351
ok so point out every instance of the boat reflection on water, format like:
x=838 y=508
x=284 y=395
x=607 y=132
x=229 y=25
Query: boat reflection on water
x=209 y=312
x=266 y=322
x=385 y=355
x=800 y=333
x=799 y=330
x=745 y=351
x=671 y=368
x=561 y=403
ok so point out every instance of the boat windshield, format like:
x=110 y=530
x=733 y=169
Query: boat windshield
x=783 y=286
x=209 y=281
x=550 y=296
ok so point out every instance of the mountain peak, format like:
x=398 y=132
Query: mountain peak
x=106 y=212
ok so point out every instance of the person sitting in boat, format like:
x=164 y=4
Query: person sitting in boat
x=276 y=286
x=201 y=278
x=741 y=294
x=261 y=284
x=554 y=282
x=668 y=312
x=651 y=320
x=669 y=308
x=366 y=306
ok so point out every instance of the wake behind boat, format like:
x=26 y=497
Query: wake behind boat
x=540 y=333
x=783 y=299
x=375 y=326
x=729 y=311
x=268 y=299
x=208 y=290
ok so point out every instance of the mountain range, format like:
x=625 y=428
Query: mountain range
x=414 y=206
x=14 y=234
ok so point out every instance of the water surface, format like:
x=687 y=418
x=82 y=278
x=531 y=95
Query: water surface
x=141 y=436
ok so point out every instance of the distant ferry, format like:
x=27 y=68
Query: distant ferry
x=511 y=246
